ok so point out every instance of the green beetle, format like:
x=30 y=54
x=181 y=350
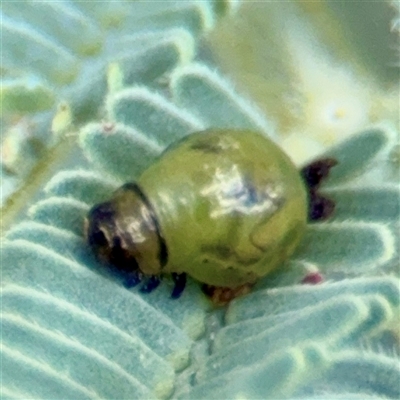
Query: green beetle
x=224 y=206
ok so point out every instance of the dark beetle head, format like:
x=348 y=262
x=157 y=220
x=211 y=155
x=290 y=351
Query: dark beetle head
x=124 y=233
x=105 y=239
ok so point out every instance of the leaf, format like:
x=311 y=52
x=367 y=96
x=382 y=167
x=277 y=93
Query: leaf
x=355 y=154
x=365 y=372
x=82 y=185
x=317 y=324
x=273 y=377
x=57 y=20
x=378 y=203
x=62 y=320
x=105 y=144
x=297 y=297
x=32 y=265
x=86 y=366
x=24 y=374
x=151 y=113
x=363 y=245
x=19 y=98
x=60 y=53
x=214 y=100
x=20 y=45
x=60 y=212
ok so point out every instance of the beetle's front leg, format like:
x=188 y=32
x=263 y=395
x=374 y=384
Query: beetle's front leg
x=151 y=284
x=131 y=279
x=180 y=284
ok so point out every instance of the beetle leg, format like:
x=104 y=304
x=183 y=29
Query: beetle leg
x=151 y=284
x=320 y=207
x=132 y=279
x=180 y=283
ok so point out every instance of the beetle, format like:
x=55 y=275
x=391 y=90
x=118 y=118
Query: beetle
x=224 y=206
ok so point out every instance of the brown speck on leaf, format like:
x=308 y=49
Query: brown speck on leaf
x=220 y=296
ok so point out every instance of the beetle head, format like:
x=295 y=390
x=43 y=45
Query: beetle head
x=124 y=232
x=106 y=239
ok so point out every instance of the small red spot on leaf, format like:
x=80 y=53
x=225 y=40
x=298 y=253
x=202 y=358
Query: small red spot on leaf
x=312 y=278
